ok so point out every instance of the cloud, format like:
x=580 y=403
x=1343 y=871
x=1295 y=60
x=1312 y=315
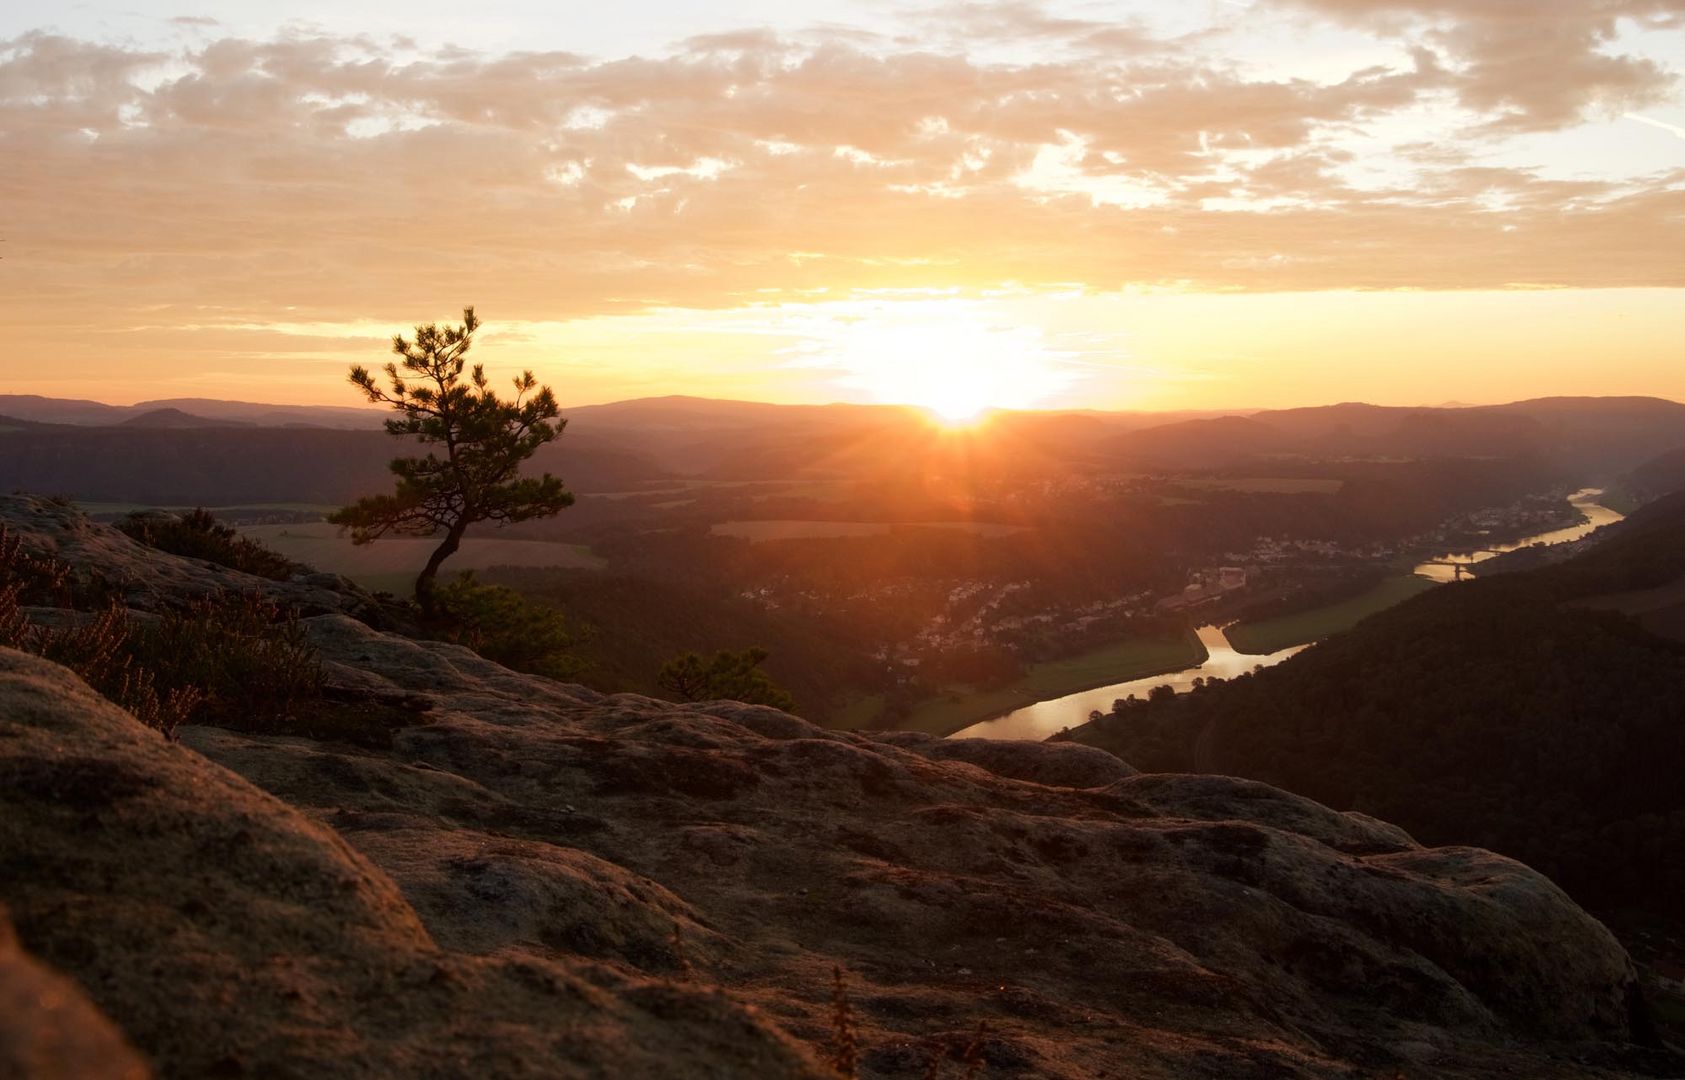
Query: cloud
x=317 y=178
x=1527 y=65
x=1021 y=22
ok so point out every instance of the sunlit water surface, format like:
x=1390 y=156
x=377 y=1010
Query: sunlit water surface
x=1046 y=718
x=1444 y=567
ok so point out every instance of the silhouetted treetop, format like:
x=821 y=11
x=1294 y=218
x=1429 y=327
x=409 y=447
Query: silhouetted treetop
x=480 y=442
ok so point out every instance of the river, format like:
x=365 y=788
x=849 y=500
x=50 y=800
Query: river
x=1222 y=661
x=1448 y=567
x=1046 y=718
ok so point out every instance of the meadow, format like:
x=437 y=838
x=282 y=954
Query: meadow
x=1271 y=635
x=391 y=564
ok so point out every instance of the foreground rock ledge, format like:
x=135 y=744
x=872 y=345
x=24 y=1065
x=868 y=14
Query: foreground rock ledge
x=532 y=879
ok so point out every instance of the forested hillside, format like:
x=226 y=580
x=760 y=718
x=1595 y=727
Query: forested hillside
x=1529 y=713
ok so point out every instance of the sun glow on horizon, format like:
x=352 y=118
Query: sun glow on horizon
x=946 y=357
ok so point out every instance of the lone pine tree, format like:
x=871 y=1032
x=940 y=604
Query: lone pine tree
x=477 y=440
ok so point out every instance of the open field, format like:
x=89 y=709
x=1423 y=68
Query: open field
x=1272 y=635
x=380 y=564
x=758 y=531
x=1132 y=658
x=1267 y=485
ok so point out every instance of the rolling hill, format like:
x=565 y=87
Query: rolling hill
x=1593 y=436
x=1659 y=476
x=176 y=418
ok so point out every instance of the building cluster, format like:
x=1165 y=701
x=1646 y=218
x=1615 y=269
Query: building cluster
x=974 y=613
x=1205 y=586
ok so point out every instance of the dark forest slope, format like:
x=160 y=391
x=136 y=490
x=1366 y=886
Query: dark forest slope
x=1511 y=712
x=177 y=464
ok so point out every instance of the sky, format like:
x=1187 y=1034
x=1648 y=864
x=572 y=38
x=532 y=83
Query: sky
x=1196 y=204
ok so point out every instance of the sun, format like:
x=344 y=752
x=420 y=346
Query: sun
x=956 y=412
x=947 y=358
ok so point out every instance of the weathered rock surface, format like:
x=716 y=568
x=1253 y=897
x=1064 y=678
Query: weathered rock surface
x=230 y=936
x=49 y=1030
x=1054 y=764
x=530 y=878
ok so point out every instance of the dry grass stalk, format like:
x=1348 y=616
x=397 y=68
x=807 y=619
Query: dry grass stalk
x=845 y=1034
x=680 y=958
x=937 y=1058
x=973 y=1056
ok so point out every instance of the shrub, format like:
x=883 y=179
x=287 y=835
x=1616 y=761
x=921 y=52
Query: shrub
x=30 y=579
x=101 y=650
x=733 y=676
x=199 y=535
x=247 y=656
x=504 y=626
x=96 y=647
x=238 y=660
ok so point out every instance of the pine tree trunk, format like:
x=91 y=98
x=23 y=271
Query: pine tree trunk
x=430 y=573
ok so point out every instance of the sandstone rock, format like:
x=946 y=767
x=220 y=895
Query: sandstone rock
x=1176 y=926
x=50 y=1031
x=1037 y=763
x=227 y=935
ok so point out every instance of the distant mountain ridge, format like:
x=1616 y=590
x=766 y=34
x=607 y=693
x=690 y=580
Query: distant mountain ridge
x=176 y=418
x=220 y=452
x=84 y=413
x=1606 y=435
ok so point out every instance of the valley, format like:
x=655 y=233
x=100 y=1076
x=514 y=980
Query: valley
x=1265 y=644
x=963 y=573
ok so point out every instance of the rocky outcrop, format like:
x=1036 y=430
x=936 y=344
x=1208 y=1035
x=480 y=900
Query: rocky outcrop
x=1062 y=764
x=230 y=936
x=104 y=560
x=526 y=878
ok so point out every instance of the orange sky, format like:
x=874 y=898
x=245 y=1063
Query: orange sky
x=1131 y=205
